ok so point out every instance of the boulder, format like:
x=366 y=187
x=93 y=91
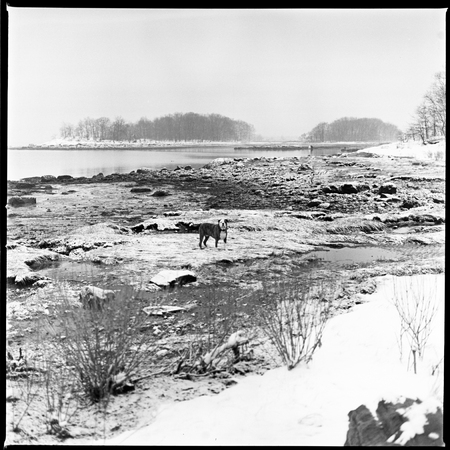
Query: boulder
x=387 y=188
x=407 y=422
x=314 y=202
x=171 y=278
x=22 y=260
x=188 y=227
x=64 y=177
x=330 y=189
x=141 y=189
x=349 y=188
x=23 y=185
x=155 y=225
x=363 y=429
x=160 y=193
x=21 y=201
x=95 y=298
x=47 y=178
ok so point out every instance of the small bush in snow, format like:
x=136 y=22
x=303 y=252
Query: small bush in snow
x=293 y=315
x=417 y=305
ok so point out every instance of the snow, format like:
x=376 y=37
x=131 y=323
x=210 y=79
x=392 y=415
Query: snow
x=358 y=363
x=409 y=149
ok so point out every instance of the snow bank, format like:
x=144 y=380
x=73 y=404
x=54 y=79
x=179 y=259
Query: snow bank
x=410 y=149
x=358 y=363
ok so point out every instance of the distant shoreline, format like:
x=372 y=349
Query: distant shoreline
x=237 y=146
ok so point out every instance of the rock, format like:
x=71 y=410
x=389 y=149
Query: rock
x=95 y=298
x=314 y=202
x=162 y=310
x=349 y=188
x=160 y=193
x=438 y=198
x=141 y=189
x=170 y=278
x=421 y=218
x=21 y=261
x=27 y=278
x=330 y=189
x=392 y=198
x=407 y=423
x=387 y=188
x=33 y=180
x=64 y=177
x=22 y=185
x=21 y=201
x=47 y=178
x=363 y=429
x=156 y=225
x=368 y=288
x=188 y=227
x=303 y=167
x=409 y=203
x=77 y=253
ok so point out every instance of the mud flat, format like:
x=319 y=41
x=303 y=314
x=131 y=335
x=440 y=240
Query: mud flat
x=355 y=216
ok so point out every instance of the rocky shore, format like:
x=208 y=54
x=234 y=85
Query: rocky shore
x=124 y=229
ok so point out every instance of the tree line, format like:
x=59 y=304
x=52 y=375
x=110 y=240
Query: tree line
x=349 y=129
x=430 y=116
x=173 y=127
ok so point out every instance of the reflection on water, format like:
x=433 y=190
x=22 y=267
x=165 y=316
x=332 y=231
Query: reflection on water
x=86 y=163
x=355 y=255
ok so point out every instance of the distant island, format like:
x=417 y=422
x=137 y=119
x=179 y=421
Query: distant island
x=173 y=127
x=350 y=129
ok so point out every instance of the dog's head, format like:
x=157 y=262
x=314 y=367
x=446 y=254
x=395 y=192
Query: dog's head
x=223 y=224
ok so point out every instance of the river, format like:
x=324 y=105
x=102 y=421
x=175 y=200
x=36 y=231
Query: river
x=23 y=163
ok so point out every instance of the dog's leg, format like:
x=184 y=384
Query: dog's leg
x=206 y=238
x=217 y=240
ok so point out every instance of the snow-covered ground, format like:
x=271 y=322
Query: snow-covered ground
x=410 y=148
x=358 y=363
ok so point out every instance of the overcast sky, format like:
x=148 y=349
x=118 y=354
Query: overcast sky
x=283 y=71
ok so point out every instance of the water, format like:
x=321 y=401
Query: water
x=86 y=163
x=351 y=255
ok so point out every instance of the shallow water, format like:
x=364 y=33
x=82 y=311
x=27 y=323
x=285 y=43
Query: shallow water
x=24 y=163
x=349 y=255
x=85 y=271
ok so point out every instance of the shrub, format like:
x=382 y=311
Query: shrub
x=293 y=315
x=417 y=304
x=106 y=347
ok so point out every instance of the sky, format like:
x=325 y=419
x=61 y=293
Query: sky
x=281 y=70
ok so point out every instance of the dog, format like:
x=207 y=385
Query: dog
x=217 y=231
x=95 y=298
